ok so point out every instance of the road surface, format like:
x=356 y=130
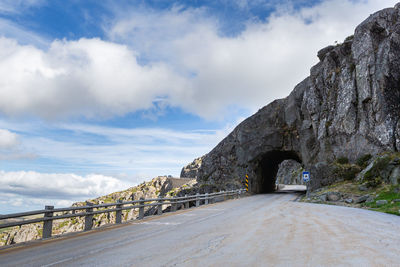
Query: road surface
x=262 y=230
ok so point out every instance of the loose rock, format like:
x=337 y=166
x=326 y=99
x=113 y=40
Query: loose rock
x=334 y=196
x=361 y=199
x=362 y=188
x=348 y=200
x=381 y=202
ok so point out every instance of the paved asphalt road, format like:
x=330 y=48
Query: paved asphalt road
x=262 y=230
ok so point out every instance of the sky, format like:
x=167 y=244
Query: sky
x=99 y=96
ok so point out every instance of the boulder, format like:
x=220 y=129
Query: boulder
x=381 y=202
x=370 y=199
x=394 y=177
x=361 y=199
x=348 y=200
x=334 y=196
x=362 y=188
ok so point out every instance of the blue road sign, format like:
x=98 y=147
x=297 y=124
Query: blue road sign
x=306 y=176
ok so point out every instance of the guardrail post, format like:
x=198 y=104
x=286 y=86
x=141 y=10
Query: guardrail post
x=187 y=202
x=88 y=217
x=173 y=205
x=118 y=212
x=206 y=199
x=48 y=224
x=159 y=207
x=141 y=208
x=197 y=200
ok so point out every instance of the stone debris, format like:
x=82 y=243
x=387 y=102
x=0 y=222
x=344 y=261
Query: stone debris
x=381 y=202
x=361 y=199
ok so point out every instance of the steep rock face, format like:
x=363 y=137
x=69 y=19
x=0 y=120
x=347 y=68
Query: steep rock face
x=289 y=173
x=190 y=171
x=348 y=106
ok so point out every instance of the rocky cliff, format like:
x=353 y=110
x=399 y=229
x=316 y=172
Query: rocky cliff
x=348 y=107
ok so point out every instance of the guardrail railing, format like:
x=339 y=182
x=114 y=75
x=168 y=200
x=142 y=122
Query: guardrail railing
x=50 y=213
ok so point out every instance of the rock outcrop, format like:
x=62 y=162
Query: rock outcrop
x=349 y=106
x=289 y=173
x=190 y=171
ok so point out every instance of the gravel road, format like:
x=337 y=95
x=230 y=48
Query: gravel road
x=262 y=230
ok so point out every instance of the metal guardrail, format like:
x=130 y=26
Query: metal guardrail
x=49 y=211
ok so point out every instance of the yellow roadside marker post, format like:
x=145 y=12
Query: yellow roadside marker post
x=247 y=183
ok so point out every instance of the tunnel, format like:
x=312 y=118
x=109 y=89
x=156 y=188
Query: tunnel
x=266 y=169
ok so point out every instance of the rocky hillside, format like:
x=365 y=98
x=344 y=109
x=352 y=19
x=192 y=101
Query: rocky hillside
x=348 y=107
x=372 y=183
x=158 y=187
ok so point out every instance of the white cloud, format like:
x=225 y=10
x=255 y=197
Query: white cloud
x=34 y=190
x=184 y=62
x=85 y=77
x=262 y=63
x=140 y=153
x=16 y=6
x=53 y=185
x=11 y=148
x=7 y=139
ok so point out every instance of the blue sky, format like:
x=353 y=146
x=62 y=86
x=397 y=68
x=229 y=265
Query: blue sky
x=98 y=96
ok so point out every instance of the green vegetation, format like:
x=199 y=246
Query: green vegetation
x=363 y=160
x=342 y=160
x=63 y=224
x=373 y=177
x=349 y=38
x=344 y=170
x=347 y=171
x=5 y=229
x=108 y=200
x=389 y=194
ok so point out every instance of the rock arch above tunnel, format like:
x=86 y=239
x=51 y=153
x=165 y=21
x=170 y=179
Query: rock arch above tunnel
x=347 y=107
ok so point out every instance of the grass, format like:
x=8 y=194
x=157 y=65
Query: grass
x=381 y=192
x=342 y=160
x=391 y=207
x=5 y=229
x=363 y=160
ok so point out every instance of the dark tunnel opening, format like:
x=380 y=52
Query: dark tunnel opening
x=267 y=169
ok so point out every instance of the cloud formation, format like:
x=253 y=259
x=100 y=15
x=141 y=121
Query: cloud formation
x=175 y=56
x=7 y=139
x=34 y=190
x=11 y=148
x=47 y=185
x=86 y=77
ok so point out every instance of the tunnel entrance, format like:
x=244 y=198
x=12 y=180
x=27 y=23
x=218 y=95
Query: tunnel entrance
x=267 y=169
